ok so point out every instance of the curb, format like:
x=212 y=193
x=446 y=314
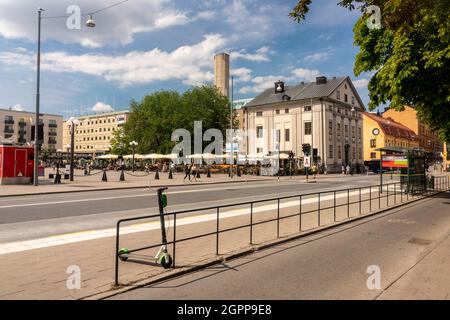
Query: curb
x=240 y=253
x=93 y=189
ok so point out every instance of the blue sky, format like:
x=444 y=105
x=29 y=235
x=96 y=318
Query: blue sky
x=143 y=46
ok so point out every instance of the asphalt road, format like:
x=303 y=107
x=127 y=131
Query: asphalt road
x=329 y=265
x=31 y=217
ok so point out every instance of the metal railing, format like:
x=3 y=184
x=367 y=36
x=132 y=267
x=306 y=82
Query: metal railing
x=393 y=193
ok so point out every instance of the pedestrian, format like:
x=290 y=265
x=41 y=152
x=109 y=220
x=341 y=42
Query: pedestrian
x=347 y=170
x=187 y=171
x=343 y=170
x=194 y=172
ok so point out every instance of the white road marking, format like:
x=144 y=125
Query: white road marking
x=155 y=225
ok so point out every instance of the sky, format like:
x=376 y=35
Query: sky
x=142 y=46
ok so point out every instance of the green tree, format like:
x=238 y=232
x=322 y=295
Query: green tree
x=409 y=55
x=120 y=143
x=153 y=120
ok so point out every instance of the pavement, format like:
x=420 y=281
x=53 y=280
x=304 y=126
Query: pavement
x=409 y=246
x=38 y=267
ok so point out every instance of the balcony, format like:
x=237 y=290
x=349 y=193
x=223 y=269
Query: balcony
x=9 y=121
x=52 y=141
x=53 y=125
x=53 y=134
x=9 y=130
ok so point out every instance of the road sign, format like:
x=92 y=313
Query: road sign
x=307 y=162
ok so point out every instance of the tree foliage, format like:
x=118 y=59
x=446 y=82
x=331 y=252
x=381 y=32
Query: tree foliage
x=409 y=55
x=153 y=120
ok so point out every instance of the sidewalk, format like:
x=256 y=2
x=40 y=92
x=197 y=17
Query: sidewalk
x=132 y=180
x=429 y=279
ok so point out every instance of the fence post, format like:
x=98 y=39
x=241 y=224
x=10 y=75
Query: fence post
x=251 y=223
x=360 y=209
x=379 y=197
x=174 y=238
x=334 y=206
x=300 y=216
x=217 y=232
x=370 y=199
x=318 y=214
x=388 y=194
x=116 y=276
x=348 y=203
x=278 y=218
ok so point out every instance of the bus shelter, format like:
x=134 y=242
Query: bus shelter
x=407 y=165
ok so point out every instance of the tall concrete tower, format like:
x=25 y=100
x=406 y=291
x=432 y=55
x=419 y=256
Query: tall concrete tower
x=222 y=73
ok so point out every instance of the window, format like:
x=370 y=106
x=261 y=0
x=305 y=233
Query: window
x=353 y=132
x=259 y=114
x=330 y=154
x=287 y=135
x=330 y=126
x=259 y=150
x=259 y=132
x=278 y=135
x=286 y=110
x=277 y=111
x=339 y=152
x=373 y=143
x=345 y=98
x=338 y=95
x=373 y=155
x=338 y=129
x=307 y=108
x=353 y=100
x=346 y=130
x=308 y=128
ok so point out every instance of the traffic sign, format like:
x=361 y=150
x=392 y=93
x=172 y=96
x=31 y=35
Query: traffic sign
x=307 y=162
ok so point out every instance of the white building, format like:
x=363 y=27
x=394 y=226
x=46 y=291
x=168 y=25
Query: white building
x=327 y=114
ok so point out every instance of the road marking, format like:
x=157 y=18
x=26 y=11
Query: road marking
x=76 y=237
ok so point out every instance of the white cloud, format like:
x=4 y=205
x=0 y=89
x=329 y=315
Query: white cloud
x=261 y=83
x=361 y=83
x=242 y=74
x=115 y=26
x=18 y=107
x=261 y=55
x=100 y=107
x=189 y=64
x=317 y=57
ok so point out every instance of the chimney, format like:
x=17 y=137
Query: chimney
x=222 y=73
x=321 y=80
x=279 y=87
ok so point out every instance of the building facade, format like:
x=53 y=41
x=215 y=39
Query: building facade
x=94 y=133
x=327 y=114
x=428 y=140
x=18 y=127
x=380 y=132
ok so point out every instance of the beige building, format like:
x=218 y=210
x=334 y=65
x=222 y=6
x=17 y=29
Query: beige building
x=222 y=73
x=327 y=114
x=18 y=127
x=94 y=133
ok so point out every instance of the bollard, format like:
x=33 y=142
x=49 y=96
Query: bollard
x=104 y=178
x=157 y=175
x=238 y=173
x=208 y=175
x=170 y=174
x=122 y=175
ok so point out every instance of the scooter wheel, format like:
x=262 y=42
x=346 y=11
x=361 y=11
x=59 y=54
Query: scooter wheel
x=166 y=263
x=123 y=258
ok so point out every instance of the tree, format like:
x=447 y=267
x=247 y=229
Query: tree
x=409 y=55
x=153 y=120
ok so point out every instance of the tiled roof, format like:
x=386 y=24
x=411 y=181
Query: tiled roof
x=392 y=128
x=302 y=91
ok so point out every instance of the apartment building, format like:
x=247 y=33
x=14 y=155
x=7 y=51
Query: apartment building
x=327 y=114
x=380 y=132
x=18 y=127
x=428 y=140
x=94 y=133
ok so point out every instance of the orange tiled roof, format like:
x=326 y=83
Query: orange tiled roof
x=392 y=128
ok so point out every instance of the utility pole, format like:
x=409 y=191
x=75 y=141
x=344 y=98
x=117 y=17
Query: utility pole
x=36 y=127
x=232 y=129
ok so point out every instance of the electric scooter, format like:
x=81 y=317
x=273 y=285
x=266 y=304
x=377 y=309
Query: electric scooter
x=162 y=258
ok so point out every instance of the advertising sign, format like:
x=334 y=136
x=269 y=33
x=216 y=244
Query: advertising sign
x=307 y=162
x=395 y=162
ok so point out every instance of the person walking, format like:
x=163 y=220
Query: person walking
x=187 y=171
x=347 y=170
x=194 y=172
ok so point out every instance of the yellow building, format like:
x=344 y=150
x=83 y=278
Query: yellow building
x=94 y=133
x=428 y=140
x=380 y=132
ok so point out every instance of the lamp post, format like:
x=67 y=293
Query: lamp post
x=90 y=23
x=232 y=128
x=133 y=145
x=73 y=123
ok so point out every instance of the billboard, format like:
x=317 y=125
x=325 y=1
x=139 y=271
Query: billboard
x=395 y=162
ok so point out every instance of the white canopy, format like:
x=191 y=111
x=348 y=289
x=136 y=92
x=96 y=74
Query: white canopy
x=152 y=156
x=136 y=156
x=108 y=157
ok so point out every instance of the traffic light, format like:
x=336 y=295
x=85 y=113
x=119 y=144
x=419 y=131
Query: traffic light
x=306 y=148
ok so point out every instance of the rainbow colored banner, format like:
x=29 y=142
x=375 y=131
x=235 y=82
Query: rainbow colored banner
x=395 y=162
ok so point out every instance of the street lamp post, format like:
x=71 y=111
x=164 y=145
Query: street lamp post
x=73 y=123
x=232 y=128
x=133 y=145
